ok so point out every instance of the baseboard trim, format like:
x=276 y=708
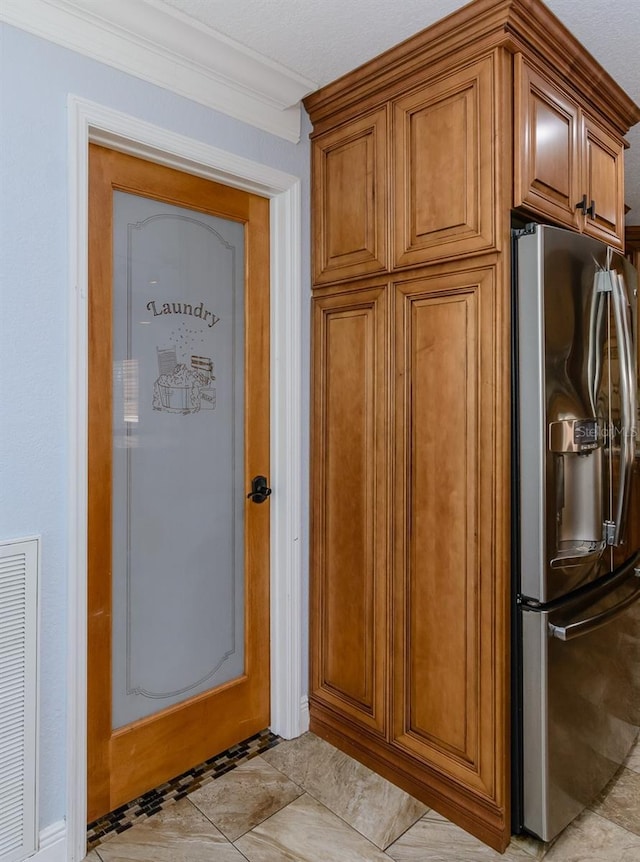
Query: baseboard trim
x=473 y=812
x=53 y=844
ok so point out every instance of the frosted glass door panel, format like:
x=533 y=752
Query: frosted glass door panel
x=178 y=478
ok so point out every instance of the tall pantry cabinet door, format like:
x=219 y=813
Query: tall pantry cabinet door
x=349 y=613
x=350 y=199
x=449 y=578
x=444 y=161
x=604 y=183
x=546 y=148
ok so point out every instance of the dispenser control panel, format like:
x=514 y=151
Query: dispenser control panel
x=576 y=436
x=585 y=434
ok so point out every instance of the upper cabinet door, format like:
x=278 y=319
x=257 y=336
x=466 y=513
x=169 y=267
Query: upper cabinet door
x=546 y=153
x=604 y=184
x=567 y=169
x=350 y=199
x=444 y=162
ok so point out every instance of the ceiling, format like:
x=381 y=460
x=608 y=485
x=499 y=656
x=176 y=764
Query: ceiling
x=323 y=39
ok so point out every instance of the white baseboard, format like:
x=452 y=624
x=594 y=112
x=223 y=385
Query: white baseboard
x=304 y=714
x=53 y=844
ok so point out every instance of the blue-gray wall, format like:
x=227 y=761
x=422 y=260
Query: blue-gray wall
x=35 y=78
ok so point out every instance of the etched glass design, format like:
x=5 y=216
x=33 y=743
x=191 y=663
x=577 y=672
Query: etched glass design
x=178 y=478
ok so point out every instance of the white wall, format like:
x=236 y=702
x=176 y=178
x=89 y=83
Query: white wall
x=35 y=78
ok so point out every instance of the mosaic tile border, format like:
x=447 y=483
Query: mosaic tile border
x=155 y=800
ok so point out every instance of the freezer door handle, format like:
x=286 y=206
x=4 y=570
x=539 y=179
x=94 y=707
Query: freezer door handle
x=590 y=624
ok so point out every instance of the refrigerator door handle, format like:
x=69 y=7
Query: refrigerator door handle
x=628 y=402
x=595 y=359
x=590 y=624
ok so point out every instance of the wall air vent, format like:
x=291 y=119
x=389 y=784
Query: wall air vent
x=18 y=697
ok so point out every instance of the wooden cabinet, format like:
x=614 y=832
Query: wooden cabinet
x=350 y=426
x=568 y=168
x=350 y=199
x=443 y=161
x=419 y=158
x=547 y=162
x=604 y=183
x=410 y=533
x=446 y=524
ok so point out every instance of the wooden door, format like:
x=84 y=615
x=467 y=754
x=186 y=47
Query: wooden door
x=450 y=590
x=603 y=184
x=546 y=148
x=155 y=303
x=349 y=614
x=444 y=158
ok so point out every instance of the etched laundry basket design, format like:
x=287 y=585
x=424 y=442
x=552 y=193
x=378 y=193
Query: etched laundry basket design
x=183 y=389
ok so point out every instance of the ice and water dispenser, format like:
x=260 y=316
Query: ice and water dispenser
x=577 y=450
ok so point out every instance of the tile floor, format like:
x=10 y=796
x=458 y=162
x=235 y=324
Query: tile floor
x=305 y=801
x=171 y=791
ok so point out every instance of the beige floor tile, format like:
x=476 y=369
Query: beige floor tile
x=592 y=838
x=533 y=846
x=91 y=857
x=376 y=808
x=244 y=797
x=178 y=833
x=306 y=831
x=435 y=839
x=620 y=801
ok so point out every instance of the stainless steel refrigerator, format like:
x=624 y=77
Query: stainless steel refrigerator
x=577 y=572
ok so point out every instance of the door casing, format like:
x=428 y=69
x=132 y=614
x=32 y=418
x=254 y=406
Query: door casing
x=91 y=122
x=141 y=752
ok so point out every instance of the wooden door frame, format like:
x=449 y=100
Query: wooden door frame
x=93 y=123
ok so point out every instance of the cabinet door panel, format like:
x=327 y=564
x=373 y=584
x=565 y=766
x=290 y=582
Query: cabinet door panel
x=604 y=170
x=349 y=615
x=444 y=167
x=547 y=168
x=350 y=199
x=444 y=607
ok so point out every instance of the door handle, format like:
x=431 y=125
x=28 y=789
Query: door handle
x=587 y=209
x=259 y=490
x=628 y=401
x=590 y=624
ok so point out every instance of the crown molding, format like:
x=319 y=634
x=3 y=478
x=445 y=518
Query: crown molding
x=482 y=25
x=159 y=44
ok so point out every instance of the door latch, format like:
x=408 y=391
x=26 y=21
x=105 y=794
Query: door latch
x=259 y=490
